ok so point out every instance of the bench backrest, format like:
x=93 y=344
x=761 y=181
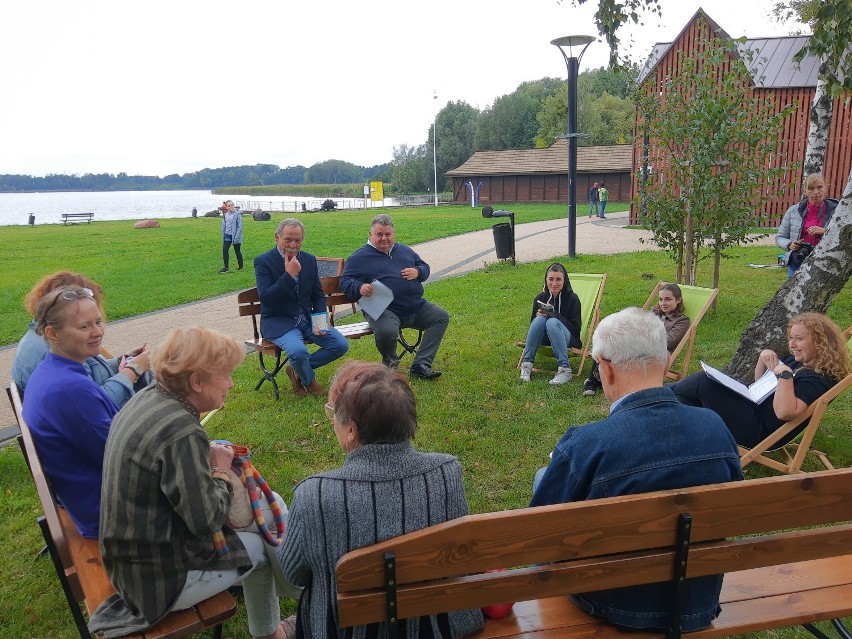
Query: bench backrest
x=329 y=266
x=248 y=304
x=45 y=494
x=697 y=301
x=599 y=544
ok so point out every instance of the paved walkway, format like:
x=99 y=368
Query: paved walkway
x=535 y=241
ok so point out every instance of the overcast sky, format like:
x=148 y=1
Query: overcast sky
x=160 y=87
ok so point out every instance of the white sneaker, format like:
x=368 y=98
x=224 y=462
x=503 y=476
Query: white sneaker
x=526 y=371
x=563 y=376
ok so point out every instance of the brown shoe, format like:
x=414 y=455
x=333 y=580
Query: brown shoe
x=315 y=388
x=298 y=389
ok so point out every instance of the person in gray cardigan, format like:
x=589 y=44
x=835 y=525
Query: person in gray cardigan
x=384 y=489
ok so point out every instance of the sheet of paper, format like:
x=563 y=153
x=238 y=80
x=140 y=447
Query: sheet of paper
x=757 y=392
x=376 y=304
x=763 y=387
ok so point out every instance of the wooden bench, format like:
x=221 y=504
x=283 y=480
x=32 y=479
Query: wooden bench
x=78 y=564
x=248 y=304
x=784 y=544
x=72 y=217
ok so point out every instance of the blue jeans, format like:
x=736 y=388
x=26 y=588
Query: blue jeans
x=557 y=334
x=603 y=208
x=593 y=207
x=331 y=346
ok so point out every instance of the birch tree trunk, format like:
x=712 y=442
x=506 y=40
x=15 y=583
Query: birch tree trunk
x=820 y=124
x=820 y=278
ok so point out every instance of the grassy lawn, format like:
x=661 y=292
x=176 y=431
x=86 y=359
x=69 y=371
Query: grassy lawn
x=501 y=430
x=143 y=270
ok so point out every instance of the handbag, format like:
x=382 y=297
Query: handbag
x=240 y=514
x=248 y=484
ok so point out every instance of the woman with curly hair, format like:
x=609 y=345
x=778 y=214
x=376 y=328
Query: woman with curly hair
x=818 y=359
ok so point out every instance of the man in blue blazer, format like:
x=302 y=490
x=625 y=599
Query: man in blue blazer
x=289 y=287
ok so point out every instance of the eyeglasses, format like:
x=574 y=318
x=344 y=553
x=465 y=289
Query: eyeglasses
x=329 y=412
x=71 y=295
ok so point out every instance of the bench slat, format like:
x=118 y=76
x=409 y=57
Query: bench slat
x=603 y=526
x=587 y=575
x=354 y=331
x=87 y=561
x=777 y=597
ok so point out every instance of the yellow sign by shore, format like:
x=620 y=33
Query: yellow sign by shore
x=376 y=192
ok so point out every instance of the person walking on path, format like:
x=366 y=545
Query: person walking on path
x=603 y=196
x=232 y=234
x=593 y=200
x=290 y=291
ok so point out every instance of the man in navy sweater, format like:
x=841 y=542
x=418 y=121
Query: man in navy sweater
x=403 y=272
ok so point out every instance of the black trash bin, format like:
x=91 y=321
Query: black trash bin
x=503 y=240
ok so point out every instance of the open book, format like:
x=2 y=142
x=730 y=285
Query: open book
x=756 y=392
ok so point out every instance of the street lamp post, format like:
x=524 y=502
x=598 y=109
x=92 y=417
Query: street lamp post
x=435 y=149
x=573 y=64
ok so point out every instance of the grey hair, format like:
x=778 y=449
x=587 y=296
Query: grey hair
x=631 y=338
x=290 y=221
x=382 y=219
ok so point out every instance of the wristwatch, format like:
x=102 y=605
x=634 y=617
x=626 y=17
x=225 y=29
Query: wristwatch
x=784 y=375
x=136 y=368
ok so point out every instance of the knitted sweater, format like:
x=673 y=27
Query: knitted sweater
x=382 y=491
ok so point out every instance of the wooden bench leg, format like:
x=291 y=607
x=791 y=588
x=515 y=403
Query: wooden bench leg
x=73 y=605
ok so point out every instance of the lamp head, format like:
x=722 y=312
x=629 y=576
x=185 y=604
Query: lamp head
x=572 y=41
x=487 y=211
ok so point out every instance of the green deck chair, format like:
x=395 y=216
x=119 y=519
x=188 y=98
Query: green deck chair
x=696 y=302
x=589 y=288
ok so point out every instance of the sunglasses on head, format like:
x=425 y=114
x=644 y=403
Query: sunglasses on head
x=71 y=295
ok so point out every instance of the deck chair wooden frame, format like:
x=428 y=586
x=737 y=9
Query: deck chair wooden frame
x=589 y=288
x=795 y=452
x=697 y=301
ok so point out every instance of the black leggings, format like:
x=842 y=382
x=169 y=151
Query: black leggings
x=748 y=422
x=226 y=245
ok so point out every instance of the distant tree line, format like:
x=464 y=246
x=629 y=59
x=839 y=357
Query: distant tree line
x=329 y=172
x=533 y=116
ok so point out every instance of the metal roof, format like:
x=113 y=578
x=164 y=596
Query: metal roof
x=553 y=159
x=771 y=66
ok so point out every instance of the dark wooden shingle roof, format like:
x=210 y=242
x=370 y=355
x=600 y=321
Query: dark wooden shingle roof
x=554 y=159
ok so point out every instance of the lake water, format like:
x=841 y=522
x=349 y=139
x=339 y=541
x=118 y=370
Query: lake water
x=15 y=208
